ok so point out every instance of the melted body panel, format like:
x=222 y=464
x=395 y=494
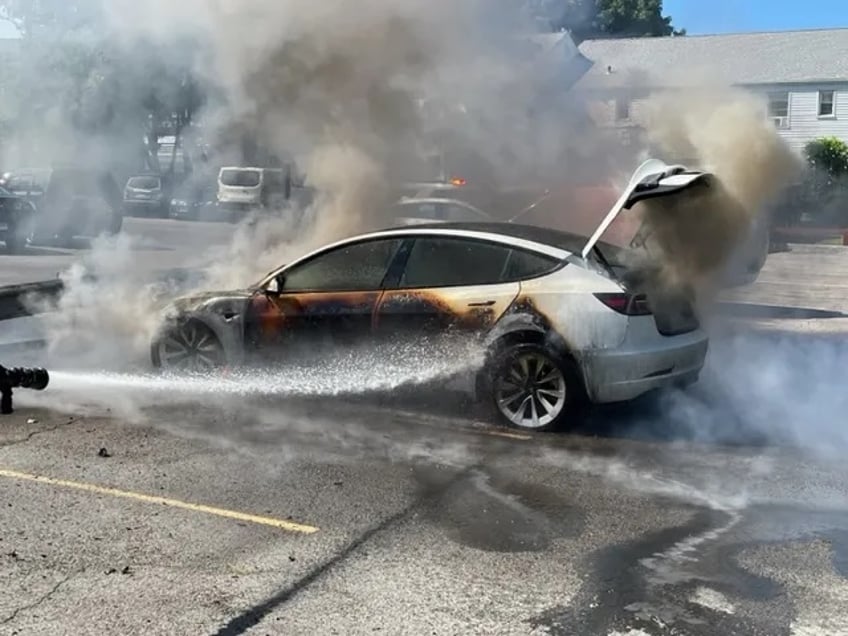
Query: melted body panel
x=277 y=325
x=564 y=300
x=406 y=313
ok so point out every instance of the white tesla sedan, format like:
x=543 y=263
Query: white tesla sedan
x=559 y=323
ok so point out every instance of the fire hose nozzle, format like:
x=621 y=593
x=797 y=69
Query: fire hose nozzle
x=35 y=378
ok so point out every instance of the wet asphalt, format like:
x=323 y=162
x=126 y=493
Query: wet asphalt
x=423 y=518
x=721 y=510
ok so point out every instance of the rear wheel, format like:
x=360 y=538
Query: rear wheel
x=189 y=347
x=531 y=388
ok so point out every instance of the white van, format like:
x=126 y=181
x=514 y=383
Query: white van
x=242 y=189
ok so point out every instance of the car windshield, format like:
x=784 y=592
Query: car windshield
x=144 y=183
x=241 y=178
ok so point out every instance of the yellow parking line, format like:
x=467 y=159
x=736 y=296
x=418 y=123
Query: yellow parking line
x=283 y=524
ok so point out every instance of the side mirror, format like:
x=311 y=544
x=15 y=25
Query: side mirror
x=276 y=285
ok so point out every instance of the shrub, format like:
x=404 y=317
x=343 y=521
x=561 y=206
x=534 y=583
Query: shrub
x=828 y=155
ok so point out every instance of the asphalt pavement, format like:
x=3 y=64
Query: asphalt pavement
x=157 y=245
x=136 y=508
x=410 y=514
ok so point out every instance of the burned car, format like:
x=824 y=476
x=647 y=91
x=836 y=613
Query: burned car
x=552 y=309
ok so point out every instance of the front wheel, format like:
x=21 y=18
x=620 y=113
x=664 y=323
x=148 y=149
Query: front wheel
x=531 y=388
x=190 y=347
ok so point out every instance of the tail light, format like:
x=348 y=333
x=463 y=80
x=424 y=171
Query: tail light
x=458 y=181
x=627 y=304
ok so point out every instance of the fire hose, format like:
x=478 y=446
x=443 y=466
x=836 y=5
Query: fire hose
x=34 y=378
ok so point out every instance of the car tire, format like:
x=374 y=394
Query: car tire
x=532 y=388
x=188 y=346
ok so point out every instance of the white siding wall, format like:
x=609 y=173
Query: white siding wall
x=804 y=121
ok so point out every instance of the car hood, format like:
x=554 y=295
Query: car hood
x=201 y=300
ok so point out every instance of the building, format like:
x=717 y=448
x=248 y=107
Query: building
x=801 y=75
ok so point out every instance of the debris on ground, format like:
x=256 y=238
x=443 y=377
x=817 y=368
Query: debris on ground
x=103 y=453
x=32 y=420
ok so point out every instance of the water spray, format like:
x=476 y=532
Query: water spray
x=34 y=378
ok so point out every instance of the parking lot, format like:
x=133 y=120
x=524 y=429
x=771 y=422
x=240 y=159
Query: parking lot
x=337 y=516
x=720 y=510
x=157 y=245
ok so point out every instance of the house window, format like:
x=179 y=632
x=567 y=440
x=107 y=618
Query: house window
x=826 y=103
x=778 y=109
x=622 y=109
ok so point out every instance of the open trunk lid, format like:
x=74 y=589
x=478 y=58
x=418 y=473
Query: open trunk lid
x=653 y=179
x=673 y=309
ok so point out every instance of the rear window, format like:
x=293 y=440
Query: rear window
x=523 y=265
x=144 y=183
x=241 y=178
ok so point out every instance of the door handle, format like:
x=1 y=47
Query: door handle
x=482 y=303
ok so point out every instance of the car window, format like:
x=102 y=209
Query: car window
x=144 y=183
x=241 y=178
x=357 y=267
x=523 y=265
x=449 y=262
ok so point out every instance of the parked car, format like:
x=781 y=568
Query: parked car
x=69 y=202
x=146 y=195
x=17 y=219
x=553 y=309
x=412 y=211
x=245 y=189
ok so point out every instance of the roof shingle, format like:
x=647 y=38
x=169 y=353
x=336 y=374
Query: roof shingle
x=783 y=57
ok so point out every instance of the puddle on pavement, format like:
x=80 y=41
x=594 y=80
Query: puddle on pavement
x=496 y=515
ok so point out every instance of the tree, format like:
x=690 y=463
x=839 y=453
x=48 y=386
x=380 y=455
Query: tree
x=605 y=18
x=95 y=89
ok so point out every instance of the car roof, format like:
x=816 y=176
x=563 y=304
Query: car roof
x=499 y=230
x=554 y=243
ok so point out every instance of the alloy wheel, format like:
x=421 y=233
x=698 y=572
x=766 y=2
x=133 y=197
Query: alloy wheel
x=530 y=390
x=191 y=347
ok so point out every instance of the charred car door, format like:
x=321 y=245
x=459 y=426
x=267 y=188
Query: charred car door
x=446 y=285
x=325 y=301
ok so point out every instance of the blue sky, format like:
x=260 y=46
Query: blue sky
x=727 y=16
x=724 y=16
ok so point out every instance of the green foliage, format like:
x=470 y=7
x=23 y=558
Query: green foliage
x=828 y=155
x=606 y=18
x=824 y=193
